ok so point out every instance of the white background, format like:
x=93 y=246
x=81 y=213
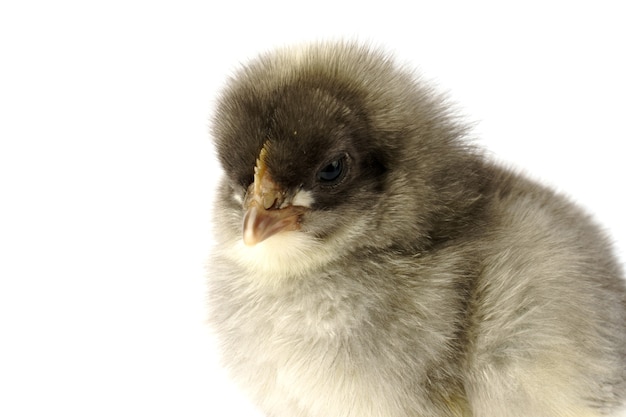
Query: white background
x=106 y=167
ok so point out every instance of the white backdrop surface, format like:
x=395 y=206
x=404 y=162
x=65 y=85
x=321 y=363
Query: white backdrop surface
x=107 y=172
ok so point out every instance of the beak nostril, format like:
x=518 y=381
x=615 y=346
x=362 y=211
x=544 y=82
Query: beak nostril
x=269 y=202
x=273 y=199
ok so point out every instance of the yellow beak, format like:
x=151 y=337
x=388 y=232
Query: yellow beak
x=267 y=212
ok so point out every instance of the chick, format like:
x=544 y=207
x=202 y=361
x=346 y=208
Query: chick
x=370 y=262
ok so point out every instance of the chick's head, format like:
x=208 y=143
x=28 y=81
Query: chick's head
x=330 y=150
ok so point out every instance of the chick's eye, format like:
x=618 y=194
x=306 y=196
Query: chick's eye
x=332 y=172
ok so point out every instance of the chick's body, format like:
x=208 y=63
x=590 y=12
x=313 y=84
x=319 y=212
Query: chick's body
x=370 y=263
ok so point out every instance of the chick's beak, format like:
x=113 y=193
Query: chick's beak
x=267 y=212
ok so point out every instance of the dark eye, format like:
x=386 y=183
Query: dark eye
x=332 y=172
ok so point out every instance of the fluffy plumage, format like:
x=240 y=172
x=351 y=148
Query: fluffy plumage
x=389 y=269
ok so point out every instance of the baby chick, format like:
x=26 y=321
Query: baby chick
x=370 y=262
